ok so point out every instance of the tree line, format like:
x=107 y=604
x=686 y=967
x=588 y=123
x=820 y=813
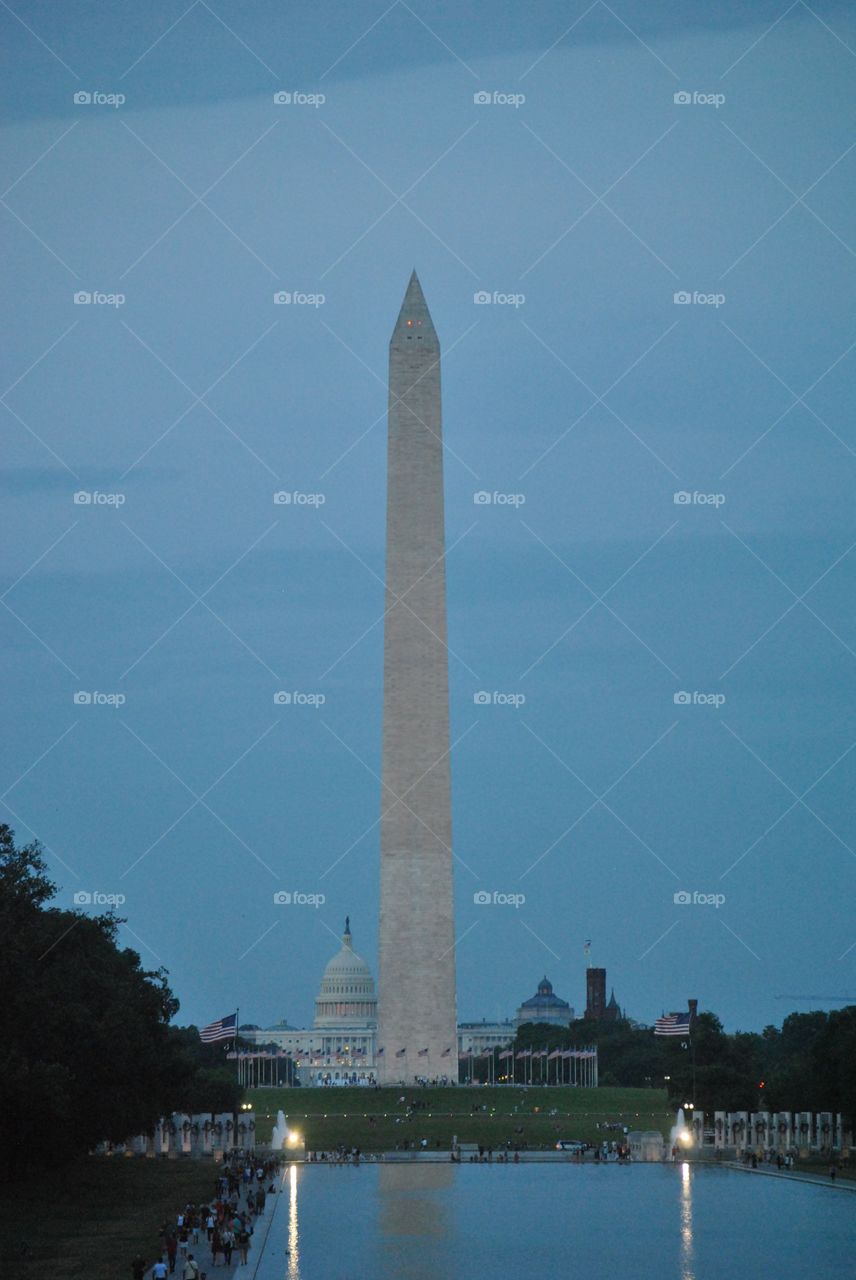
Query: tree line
x=807 y=1064
x=87 y=1052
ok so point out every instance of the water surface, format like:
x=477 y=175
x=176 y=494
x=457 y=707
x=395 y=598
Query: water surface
x=464 y=1222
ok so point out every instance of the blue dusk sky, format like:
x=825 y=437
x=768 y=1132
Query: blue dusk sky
x=635 y=227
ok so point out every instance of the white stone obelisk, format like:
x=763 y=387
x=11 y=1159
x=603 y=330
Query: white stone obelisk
x=417 y=1025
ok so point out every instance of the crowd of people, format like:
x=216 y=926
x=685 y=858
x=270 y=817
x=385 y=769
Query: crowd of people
x=223 y=1227
x=782 y=1160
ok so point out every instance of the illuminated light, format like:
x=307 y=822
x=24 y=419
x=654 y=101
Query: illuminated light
x=410 y=324
x=685 y=1137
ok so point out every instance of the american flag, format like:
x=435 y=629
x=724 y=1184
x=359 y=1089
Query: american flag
x=673 y=1024
x=381 y=1052
x=446 y=1053
x=423 y=1053
x=222 y=1029
x=399 y=1053
x=507 y=1053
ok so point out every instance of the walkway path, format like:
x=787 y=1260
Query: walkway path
x=793 y=1175
x=236 y=1270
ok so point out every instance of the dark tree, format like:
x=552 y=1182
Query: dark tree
x=87 y=1053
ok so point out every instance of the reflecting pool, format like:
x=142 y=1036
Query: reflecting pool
x=412 y=1221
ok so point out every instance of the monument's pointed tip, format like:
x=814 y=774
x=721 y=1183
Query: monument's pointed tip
x=414 y=318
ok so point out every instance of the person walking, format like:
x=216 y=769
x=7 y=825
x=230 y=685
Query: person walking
x=216 y=1246
x=171 y=1251
x=191 y=1268
x=228 y=1242
x=159 y=1270
x=244 y=1243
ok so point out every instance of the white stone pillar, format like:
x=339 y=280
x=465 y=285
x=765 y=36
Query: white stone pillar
x=720 y=1129
x=824 y=1134
x=805 y=1131
x=246 y=1130
x=697 y=1128
x=782 y=1130
x=229 y=1136
x=760 y=1131
x=182 y=1133
x=160 y=1140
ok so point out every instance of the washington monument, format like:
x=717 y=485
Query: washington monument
x=417 y=1024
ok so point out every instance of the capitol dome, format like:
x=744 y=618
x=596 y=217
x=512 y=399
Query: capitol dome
x=347 y=997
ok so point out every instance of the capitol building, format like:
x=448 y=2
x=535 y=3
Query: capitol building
x=341 y=1046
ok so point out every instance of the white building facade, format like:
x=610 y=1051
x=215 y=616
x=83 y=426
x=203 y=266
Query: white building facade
x=342 y=1046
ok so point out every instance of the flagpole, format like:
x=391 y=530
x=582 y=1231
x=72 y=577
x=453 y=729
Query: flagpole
x=692 y=1057
x=235 y=1043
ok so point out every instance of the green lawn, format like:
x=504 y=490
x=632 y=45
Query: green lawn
x=375 y=1119
x=92 y=1218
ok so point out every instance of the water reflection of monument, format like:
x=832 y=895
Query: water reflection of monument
x=413 y=1220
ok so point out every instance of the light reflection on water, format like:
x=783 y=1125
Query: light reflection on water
x=413 y=1221
x=687 y=1268
x=293 y=1271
